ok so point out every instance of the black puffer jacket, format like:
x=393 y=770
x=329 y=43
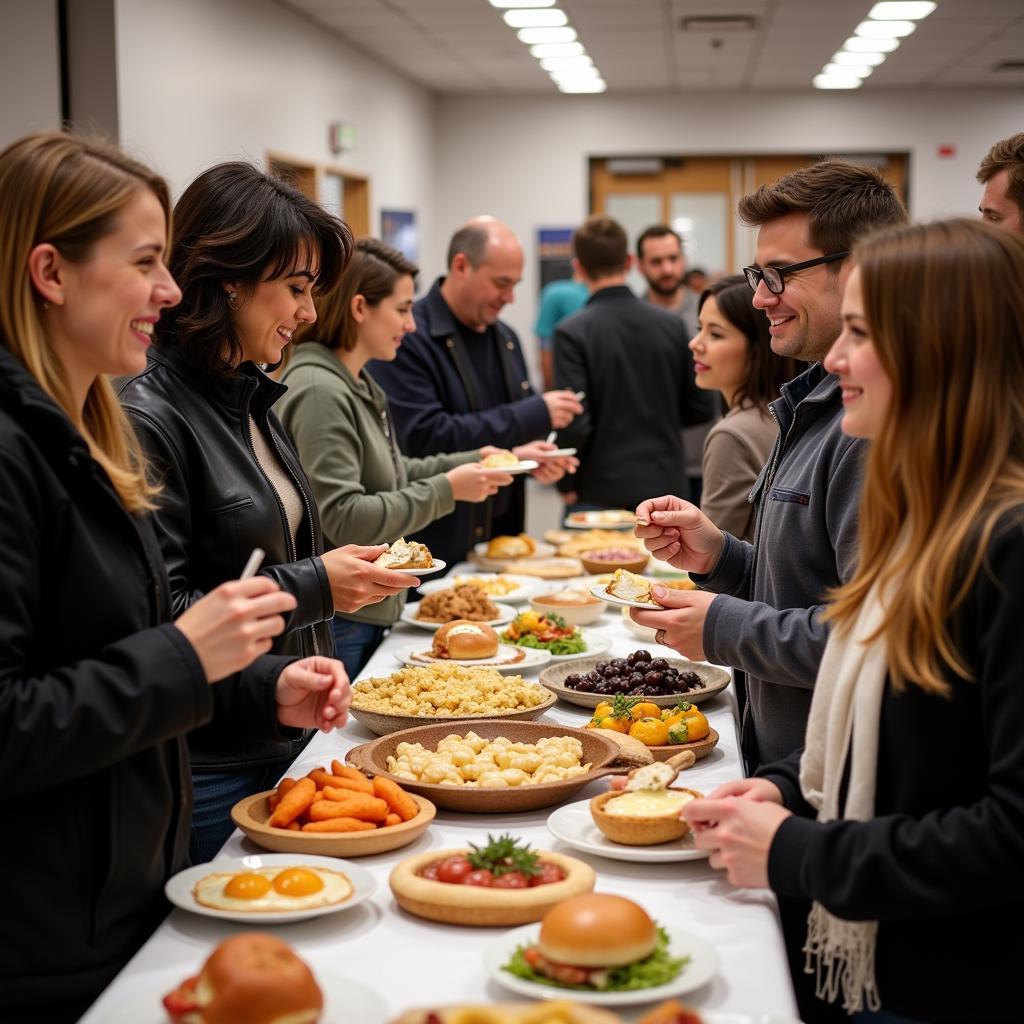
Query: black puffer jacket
x=95 y=697
x=217 y=504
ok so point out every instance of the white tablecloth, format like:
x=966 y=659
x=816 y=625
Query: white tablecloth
x=411 y=962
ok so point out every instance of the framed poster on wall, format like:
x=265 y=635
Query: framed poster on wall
x=398 y=229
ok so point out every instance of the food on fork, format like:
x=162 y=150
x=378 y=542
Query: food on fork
x=406 y=554
x=252 y=977
x=628 y=586
x=466 y=601
x=463 y=639
x=500 y=460
x=511 y=547
x=597 y=941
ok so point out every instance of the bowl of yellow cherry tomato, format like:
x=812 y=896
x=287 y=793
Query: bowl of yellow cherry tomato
x=664 y=731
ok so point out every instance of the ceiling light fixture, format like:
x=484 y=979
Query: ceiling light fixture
x=546 y=35
x=502 y=4
x=858 y=59
x=860 y=70
x=552 y=18
x=884 y=29
x=836 y=82
x=542 y=50
x=595 y=85
x=857 y=44
x=575 y=74
x=913 y=11
x=566 y=63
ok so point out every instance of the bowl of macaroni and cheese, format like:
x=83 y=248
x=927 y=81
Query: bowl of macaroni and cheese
x=492 y=766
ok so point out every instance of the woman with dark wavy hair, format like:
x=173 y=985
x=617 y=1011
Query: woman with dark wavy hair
x=732 y=354
x=249 y=253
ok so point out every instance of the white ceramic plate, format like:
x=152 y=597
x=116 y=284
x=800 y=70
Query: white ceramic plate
x=525 y=466
x=506 y=613
x=507 y=659
x=597 y=643
x=141 y=1000
x=179 y=887
x=558 y=453
x=699 y=971
x=600 y=590
x=602 y=519
x=438 y=566
x=574 y=824
x=526 y=586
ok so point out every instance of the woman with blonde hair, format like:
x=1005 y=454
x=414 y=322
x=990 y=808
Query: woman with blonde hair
x=366 y=490
x=97 y=686
x=896 y=837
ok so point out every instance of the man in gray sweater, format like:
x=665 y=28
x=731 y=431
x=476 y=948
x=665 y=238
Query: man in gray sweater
x=759 y=609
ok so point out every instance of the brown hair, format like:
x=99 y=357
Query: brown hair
x=1006 y=155
x=766 y=371
x=945 y=312
x=842 y=201
x=656 y=231
x=372 y=273
x=235 y=223
x=601 y=246
x=68 y=191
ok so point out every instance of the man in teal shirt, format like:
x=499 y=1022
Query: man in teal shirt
x=558 y=299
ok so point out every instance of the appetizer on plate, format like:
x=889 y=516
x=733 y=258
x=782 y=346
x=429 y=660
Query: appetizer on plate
x=406 y=554
x=250 y=977
x=553 y=1012
x=652 y=725
x=492 y=586
x=600 y=942
x=638 y=674
x=546 y=632
x=521 y=546
x=500 y=460
x=647 y=811
x=459 y=602
x=464 y=640
x=628 y=586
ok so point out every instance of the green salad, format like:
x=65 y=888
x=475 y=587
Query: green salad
x=544 y=633
x=657 y=969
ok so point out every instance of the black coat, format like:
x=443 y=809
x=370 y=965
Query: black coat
x=632 y=360
x=941 y=865
x=217 y=504
x=432 y=390
x=96 y=693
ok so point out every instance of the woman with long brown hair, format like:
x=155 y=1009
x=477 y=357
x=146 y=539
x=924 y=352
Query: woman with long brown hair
x=898 y=833
x=97 y=686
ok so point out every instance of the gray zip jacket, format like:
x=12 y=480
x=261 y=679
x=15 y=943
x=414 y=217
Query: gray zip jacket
x=766 y=620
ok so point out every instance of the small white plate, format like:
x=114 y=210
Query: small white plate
x=506 y=613
x=602 y=519
x=525 y=466
x=574 y=824
x=558 y=453
x=600 y=590
x=597 y=643
x=526 y=586
x=505 y=661
x=141 y=1000
x=644 y=633
x=702 y=967
x=178 y=888
x=438 y=566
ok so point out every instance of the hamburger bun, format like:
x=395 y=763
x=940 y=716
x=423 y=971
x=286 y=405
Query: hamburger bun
x=462 y=638
x=501 y=460
x=252 y=978
x=511 y=547
x=597 y=930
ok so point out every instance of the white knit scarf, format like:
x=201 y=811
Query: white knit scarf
x=843 y=724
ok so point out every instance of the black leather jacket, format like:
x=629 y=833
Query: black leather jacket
x=217 y=504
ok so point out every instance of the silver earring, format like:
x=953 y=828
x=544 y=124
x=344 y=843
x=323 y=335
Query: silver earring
x=46 y=304
x=232 y=298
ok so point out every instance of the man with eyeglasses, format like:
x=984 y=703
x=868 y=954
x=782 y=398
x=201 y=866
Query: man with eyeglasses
x=759 y=609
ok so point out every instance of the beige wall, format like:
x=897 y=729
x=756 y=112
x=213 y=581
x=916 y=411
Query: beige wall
x=29 y=68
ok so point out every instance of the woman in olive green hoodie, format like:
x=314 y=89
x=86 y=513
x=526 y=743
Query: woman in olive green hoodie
x=367 y=491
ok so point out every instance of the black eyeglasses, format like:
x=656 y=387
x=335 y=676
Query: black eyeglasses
x=774 y=277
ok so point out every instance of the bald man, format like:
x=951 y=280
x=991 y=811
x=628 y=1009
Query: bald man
x=460 y=382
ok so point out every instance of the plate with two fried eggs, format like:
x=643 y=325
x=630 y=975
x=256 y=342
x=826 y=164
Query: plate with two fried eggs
x=270 y=887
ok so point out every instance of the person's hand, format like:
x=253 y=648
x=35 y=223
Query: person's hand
x=738 y=833
x=681 y=625
x=563 y=407
x=357 y=582
x=679 y=533
x=313 y=693
x=749 y=789
x=474 y=482
x=570 y=497
x=550 y=469
x=234 y=624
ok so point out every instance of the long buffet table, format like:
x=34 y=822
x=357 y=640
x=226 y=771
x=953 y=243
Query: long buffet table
x=411 y=963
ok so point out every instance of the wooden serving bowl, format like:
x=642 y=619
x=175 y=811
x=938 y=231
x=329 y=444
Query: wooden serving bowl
x=252 y=814
x=647 y=830
x=636 y=563
x=380 y=723
x=603 y=754
x=479 y=906
x=577 y=1013
x=700 y=748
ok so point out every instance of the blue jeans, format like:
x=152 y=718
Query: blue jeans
x=215 y=794
x=354 y=642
